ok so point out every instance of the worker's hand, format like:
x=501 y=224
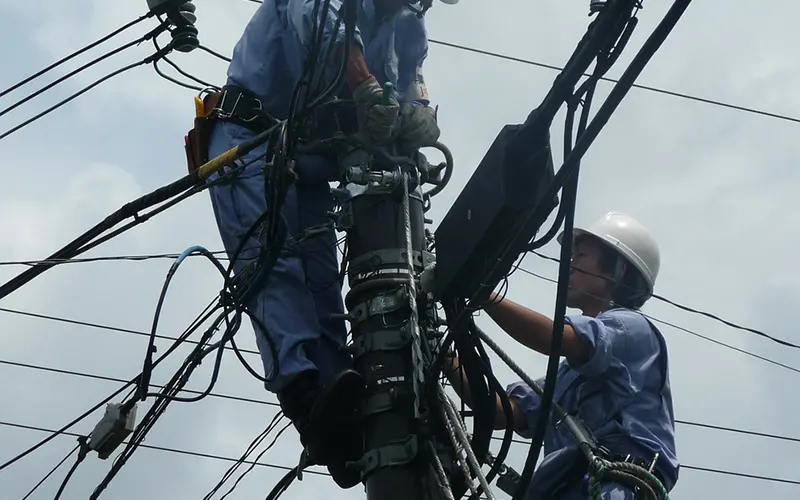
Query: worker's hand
x=418 y=127
x=427 y=279
x=376 y=119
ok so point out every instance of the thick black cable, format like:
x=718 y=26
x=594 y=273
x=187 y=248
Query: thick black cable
x=75 y=54
x=214 y=53
x=182 y=188
x=174 y=80
x=83 y=450
x=198 y=321
x=483 y=397
x=164 y=398
x=147 y=367
x=52 y=471
x=282 y=485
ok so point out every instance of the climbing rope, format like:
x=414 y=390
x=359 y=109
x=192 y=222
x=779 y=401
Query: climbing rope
x=645 y=484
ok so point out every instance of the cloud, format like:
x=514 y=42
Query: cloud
x=715 y=185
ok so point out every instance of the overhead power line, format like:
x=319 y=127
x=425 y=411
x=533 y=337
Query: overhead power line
x=688 y=423
x=657 y=90
x=270 y=403
x=109 y=328
x=74 y=54
x=686 y=330
x=171 y=450
x=697 y=311
x=122 y=381
x=135 y=258
x=283 y=467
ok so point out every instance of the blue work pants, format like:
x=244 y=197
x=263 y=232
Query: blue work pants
x=302 y=291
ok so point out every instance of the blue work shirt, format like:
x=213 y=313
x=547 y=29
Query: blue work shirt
x=622 y=394
x=268 y=59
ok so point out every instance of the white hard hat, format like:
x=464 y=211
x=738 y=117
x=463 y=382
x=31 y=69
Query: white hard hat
x=631 y=239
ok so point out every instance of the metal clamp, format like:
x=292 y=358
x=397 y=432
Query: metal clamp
x=382 y=340
x=379 y=305
x=394 y=454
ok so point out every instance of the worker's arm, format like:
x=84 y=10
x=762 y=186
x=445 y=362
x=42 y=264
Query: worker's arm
x=300 y=17
x=458 y=379
x=535 y=330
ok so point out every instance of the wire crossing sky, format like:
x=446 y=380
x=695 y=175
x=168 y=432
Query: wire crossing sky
x=675 y=160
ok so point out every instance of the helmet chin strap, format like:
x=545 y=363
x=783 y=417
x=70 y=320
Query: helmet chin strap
x=619 y=270
x=424 y=6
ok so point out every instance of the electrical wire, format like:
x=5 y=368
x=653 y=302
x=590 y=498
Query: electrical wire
x=168 y=449
x=119 y=380
x=202 y=317
x=695 y=311
x=75 y=54
x=107 y=327
x=152 y=34
x=778 y=437
x=657 y=90
x=251 y=447
x=52 y=471
x=147 y=60
x=292 y=470
x=221 y=255
x=609 y=38
x=252 y=465
x=690 y=332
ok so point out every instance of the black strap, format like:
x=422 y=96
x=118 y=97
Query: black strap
x=240 y=106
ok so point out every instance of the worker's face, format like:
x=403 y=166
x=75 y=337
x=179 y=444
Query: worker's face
x=588 y=285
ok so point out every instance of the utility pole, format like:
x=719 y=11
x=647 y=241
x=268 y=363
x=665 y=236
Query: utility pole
x=383 y=215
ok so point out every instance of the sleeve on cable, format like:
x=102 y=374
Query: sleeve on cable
x=412 y=52
x=300 y=14
x=598 y=334
x=528 y=402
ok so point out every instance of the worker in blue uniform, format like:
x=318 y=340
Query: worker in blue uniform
x=615 y=377
x=298 y=310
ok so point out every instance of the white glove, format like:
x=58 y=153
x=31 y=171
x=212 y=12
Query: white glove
x=427 y=280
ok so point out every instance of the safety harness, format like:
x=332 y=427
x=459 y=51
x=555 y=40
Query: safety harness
x=233 y=104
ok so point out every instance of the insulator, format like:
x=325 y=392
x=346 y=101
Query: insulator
x=596 y=5
x=184 y=35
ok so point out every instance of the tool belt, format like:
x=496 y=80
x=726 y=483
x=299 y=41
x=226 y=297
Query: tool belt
x=232 y=104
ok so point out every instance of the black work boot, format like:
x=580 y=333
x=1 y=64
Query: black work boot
x=352 y=446
x=320 y=415
x=297 y=399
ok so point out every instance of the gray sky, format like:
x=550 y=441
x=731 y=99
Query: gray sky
x=715 y=186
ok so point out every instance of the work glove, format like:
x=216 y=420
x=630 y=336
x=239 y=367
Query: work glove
x=427 y=279
x=375 y=119
x=418 y=127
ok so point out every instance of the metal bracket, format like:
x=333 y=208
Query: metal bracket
x=391 y=455
x=379 y=305
x=383 y=340
x=385 y=400
x=393 y=256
